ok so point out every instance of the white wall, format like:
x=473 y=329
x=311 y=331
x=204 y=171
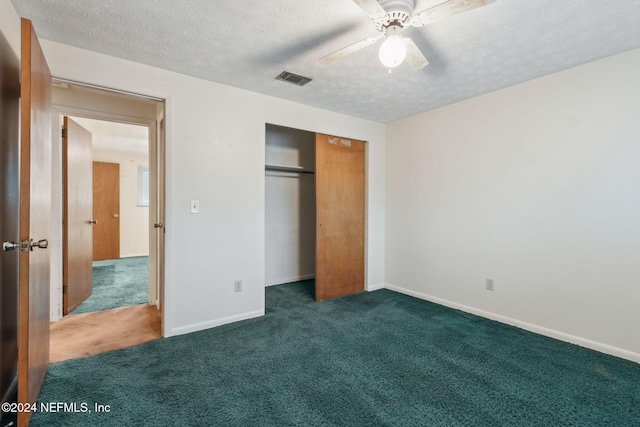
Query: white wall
x=215 y=153
x=290 y=206
x=10 y=25
x=134 y=219
x=536 y=186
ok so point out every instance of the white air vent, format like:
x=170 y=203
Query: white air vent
x=286 y=76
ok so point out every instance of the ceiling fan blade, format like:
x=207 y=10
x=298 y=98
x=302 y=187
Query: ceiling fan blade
x=414 y=58
x=445 y=9
x=371 y=8
x=332 y=57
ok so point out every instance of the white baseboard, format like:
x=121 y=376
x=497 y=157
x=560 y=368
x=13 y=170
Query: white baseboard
x=213 y=323
x=290 y=280
x=375 y=287
x=133 y=255
x=583 y=342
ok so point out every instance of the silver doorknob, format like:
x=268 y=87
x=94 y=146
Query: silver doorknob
x=9 y=246
x=157 y=225
x=42 y=244
x=93 y=221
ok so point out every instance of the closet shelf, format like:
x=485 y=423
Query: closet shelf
x=281 y=168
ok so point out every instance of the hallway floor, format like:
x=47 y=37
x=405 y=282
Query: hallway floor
x=86 y=334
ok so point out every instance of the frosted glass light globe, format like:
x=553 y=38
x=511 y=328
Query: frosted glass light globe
x=393 y=51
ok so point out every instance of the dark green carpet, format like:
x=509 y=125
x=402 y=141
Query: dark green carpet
x=117 y=283
x=378 y=358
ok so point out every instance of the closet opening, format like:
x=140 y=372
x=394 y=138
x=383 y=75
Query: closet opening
x=290 y=209
x=314 y=214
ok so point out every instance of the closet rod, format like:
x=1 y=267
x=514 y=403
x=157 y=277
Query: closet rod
x=295 y=169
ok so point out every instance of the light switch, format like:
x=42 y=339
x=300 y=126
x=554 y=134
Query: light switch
x=195 y=206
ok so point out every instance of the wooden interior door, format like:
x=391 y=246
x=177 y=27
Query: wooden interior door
x=156 y=214
x=35 y=219
x=106 y=210
x=9 y=216
x=339 y=216
x=78 y=210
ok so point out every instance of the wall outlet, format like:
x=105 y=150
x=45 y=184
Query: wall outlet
x=238 y=285
x=489 y=284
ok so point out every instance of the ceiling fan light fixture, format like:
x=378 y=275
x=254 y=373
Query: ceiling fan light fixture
x=392 y=51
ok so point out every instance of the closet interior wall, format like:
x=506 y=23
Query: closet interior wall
x=290 y=212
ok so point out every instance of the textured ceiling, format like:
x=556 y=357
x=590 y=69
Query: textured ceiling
x=247 y=43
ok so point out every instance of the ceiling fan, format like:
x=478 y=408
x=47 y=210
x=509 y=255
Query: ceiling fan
x=391 y=17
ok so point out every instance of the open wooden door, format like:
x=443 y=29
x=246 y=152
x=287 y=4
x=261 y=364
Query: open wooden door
x=77 y=159
x=156 y=214
x=339 y=216
x=35 y=219
x=106 y=210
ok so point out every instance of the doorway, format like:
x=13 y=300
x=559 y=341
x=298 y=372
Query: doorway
x=290 y=205
x=126 y=164
x=119 y=221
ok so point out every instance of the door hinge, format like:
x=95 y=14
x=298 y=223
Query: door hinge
x=64 y=133
x=65 y=288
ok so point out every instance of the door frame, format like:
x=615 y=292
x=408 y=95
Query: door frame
x=156 y=150
x=9 y=215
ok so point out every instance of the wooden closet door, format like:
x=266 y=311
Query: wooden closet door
x=339 y=216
